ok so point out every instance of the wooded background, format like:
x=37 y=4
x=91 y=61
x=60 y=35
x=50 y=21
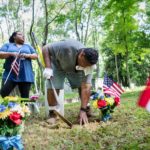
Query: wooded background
x=118 y=29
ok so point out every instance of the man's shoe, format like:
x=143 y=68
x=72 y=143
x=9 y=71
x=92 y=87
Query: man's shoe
x=52 y=118
x=51 y=121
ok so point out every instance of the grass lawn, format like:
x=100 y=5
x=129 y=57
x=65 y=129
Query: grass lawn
x=128 y=130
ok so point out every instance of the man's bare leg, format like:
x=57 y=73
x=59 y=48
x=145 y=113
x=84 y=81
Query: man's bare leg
x=51 y=97
x=52 y=103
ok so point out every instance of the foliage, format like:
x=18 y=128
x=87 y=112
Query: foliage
x=26 y=2
x=118 y=28
x=123 y=41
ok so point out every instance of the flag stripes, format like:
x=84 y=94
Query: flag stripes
x=16 y=66
x=111 y=88
x=109 y=92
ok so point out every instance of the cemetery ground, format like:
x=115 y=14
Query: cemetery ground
x=129 y=129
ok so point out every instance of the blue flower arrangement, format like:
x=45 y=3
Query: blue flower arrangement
x=105 y=104
x=13 y=113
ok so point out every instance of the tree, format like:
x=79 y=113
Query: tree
x=120 y=24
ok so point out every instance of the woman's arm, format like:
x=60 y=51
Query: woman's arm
x=30 y=56
x=4 y=55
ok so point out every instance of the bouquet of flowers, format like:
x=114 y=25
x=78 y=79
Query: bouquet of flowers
x=105 y=103
x=12 y=115
x=110 y=99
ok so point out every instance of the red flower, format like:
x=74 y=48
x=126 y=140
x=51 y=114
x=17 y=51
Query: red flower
x=15 y=117
x=101 y=103
x=117 y=101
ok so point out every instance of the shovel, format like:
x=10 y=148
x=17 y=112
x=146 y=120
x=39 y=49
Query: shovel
x=56 y=111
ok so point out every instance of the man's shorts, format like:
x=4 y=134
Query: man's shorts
x=75 y=79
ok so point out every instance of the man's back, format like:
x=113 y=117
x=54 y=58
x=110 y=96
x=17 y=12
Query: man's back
x=67 y=44
x=64 y=53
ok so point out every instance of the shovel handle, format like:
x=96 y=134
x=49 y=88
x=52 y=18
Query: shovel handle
x=63 y=118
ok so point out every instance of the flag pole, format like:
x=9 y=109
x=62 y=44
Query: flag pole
x=12 y=67
x=38 y=50
x=8 y=75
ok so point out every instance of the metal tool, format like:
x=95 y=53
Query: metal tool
x=56 y=111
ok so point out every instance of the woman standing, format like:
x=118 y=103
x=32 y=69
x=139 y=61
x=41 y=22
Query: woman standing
x=17 y=67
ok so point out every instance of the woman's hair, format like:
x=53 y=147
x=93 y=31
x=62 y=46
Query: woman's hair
x=11 y=39
x=91 y=55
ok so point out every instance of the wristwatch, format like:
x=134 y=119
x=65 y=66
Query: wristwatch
x=83 y=109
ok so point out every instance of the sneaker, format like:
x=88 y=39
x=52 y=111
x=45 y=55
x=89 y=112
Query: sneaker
x=52 y=118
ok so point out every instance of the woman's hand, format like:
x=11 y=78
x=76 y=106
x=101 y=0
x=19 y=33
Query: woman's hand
x=28 y=56
x=24 y=55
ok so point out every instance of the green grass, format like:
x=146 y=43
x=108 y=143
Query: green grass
x=128 y=130
x=71 y=95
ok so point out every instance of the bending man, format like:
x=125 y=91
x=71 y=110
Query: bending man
x=69 y=59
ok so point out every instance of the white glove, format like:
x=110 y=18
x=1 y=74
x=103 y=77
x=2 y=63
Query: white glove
x=79 y=68
x=47 y=73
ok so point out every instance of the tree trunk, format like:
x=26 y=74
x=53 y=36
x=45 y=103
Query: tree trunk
x=116 y=64
x=46 y=23
x=32 y=22
x=88 y=20
x=76 y=21
x=94 y=40
x=2 y=34
x=127 y=51
x=127 y=68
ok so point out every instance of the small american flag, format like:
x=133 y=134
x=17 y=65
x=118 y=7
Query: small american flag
x=111 y=88
x=16 y=66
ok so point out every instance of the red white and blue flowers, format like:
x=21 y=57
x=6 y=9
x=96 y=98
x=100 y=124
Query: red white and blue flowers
x=105 y=103
x=12 y=115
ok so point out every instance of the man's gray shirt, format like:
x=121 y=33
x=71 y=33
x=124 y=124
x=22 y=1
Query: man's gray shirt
x=65 y=54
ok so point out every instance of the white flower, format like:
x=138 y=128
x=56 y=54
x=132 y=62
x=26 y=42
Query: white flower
x=18 y=109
